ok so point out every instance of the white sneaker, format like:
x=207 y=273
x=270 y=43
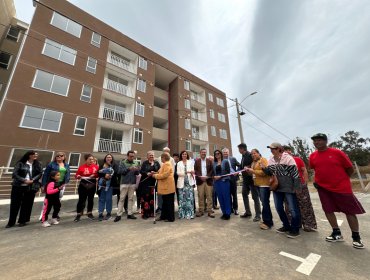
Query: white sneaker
x=46 y=224
x=54 y=221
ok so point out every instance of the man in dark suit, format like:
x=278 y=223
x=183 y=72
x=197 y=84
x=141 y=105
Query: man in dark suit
x=204 y=171
x=248 y=185
x=234 y=164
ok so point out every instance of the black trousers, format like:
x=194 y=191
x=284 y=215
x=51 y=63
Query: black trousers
x=234 y=195
x=83 y=194
x=53 y=202
x=21 y=198
x=168 y=207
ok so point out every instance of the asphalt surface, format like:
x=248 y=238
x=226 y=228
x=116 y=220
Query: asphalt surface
x=202 y=248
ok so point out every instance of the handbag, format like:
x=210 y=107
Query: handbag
x=35 y=186
x=274 y=182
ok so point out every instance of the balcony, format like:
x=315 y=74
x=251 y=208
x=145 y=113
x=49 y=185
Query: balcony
x=112 y=146
x=160 y=113
x=196 y=97
x=117 y=88
x=200 y=136
x=198 y=116
x=116 y=116
x=159 y=133
x=120 y=62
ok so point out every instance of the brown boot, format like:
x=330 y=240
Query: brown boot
x=211 y=215
x=199 y=214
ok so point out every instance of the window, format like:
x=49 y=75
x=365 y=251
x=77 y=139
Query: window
x=186 y=85
x=51 y=83
x=140 y=108
x=220 y=102
x=214 y=147
x=138 y=136
x=80 y=126
x=187 y=124
x=212 y=113
x=143 y=63
x=86 y=93
x=141 y=85
x=210 y=97
x=66 y=24
x=213 y=130
x=96 y=39
x=44 y=156
x=5 y=59
x=187 y=103
x=187 y=145
x=221 y=117
x=223 y=134
x=74 y=159
x=91 y=65
x=41 y=119
x=13 y=33
x=59 y=52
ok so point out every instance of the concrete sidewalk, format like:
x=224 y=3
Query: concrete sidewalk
x=202 y=248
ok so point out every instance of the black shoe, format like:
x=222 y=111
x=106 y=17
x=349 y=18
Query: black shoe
x=9 y=226
x=282 y=230
x=108 y=216
x=131 y=217
x=117 y=219
x=245 y=215
x=256 y=219
x=100 y=217
x=91 y=216
x=22 y=224
x=292 y=234
x=77 y=219
x=358 y=244
x=236 y=212
x=58 y=218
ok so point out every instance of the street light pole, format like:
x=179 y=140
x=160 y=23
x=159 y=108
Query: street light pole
x=239 y=121
x=241 y=114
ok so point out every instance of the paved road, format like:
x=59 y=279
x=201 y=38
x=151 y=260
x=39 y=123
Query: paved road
x=202 y=248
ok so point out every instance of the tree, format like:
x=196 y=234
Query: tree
x=301 y=148
x=354 y=146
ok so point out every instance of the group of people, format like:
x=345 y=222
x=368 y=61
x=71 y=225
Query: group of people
x=215 y=178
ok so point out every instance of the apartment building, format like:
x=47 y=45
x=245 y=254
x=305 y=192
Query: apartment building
x=80 y=86
x=12 y=33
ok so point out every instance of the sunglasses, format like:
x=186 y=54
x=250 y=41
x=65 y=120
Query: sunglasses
x=59 y=155
x=217 y=153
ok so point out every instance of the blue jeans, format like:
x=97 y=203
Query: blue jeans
x=264 y=193
x=105 y=200
x=291 y=198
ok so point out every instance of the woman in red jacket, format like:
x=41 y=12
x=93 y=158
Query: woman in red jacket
x=87 y=173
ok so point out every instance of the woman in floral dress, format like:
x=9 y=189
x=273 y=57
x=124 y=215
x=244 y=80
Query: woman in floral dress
x=185 y=183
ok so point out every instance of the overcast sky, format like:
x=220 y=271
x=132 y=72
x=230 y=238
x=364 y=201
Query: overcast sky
x=308 y=60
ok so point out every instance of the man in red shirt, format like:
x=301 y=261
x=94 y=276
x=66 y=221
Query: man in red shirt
x=332 y=179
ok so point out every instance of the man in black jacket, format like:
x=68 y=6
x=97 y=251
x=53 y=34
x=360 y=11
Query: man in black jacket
x=248 y=185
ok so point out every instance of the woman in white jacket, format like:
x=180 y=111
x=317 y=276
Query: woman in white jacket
x=185 y=183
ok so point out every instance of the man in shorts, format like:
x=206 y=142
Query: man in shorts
x=332 y=179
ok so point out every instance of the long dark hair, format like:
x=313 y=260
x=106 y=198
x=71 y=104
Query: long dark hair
x=214 y=155
x=105 y=159
x=187 y=155
x=51 y=178
x=26 y=156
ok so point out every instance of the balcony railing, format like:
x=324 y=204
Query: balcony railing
x=199 y=136
x=112 y=146
x=198 y=116
x=119 y=62
x=116 y=116
x=117 y=87
x=196 y=97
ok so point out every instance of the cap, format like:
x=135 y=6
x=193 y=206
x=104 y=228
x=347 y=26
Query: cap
x=274 y=145
x=320 y=136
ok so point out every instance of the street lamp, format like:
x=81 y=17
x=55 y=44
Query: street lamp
x=242 y=113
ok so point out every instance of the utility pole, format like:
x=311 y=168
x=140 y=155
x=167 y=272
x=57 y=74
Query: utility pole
x=239 y=121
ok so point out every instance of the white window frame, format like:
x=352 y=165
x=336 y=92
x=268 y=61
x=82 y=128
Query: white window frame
x=211 y=113
x=221 y=117
x=11 y=37
x=24 y=114
x=223 y=133
x=79 y=129
x=139 y=106
x=65 y=29
x=220 y=102
x=79 y=159
x=187 y=104
x=143 y=63
x=52 y=82
x=9 y=61
x=82 y=93
x=93 y=42
x=61 y=49
x=140 y=131
x=186 y=85
x=141 y=85
x=188 y=143
x=210 y=97
x=187 y=124
x=213 y=130
x=88 y=67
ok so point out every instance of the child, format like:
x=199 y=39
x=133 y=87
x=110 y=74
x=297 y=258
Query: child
x=52 y=191
x=104 y=183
